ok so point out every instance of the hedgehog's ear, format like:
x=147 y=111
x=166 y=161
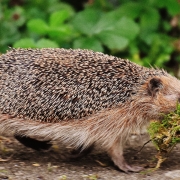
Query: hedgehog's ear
x=154 y=85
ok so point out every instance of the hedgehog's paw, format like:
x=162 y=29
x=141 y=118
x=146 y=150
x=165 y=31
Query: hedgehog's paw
x=122 y=165
x=116 y=155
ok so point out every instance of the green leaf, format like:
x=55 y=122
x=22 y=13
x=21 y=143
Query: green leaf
x=61 y=6
x=150 y=38
x=124 y=27
x=24 y=43
x=129 y=9
x=38 y=26
x=160 y=3
x=34 y=12
x=8 y=33
x=173 y=7
x=106 y=22
x=60 y=33
x=46 y=43
x=88 y=43
x=127 y=28
x=149 y=20
x=118 y=36
x=113 y=41
x=57 y=18
x=161 y=59
x=86 y=20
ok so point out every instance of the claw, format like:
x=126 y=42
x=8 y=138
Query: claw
x=127 y=168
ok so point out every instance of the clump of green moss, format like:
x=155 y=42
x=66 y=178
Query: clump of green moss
x=165 y=134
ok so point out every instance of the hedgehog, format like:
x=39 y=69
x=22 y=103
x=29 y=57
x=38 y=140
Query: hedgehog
x=80 y=98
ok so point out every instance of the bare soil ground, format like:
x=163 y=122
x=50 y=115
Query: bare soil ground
x=25 y=164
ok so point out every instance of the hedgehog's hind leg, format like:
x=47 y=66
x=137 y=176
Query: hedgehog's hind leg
x=116 y=154
x=33 y=143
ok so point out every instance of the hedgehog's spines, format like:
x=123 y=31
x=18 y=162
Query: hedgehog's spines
x=57 y=84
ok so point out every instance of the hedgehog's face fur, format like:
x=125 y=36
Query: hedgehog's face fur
x=162 y=95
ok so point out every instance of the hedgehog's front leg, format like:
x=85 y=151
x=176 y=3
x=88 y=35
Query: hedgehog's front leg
x=116 y=154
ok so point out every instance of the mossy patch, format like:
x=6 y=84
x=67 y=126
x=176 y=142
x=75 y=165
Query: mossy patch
x=165 y=134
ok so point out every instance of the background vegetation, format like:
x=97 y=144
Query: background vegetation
x=144 y=31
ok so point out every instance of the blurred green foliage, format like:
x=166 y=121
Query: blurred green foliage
x=145 y=31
